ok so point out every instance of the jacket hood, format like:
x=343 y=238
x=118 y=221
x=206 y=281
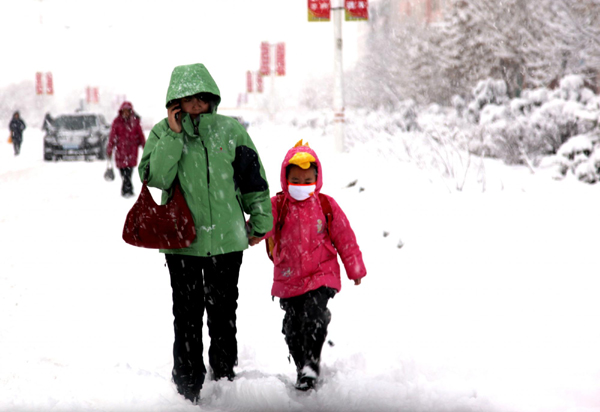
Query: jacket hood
x=126 y=105
x=192 y=79
x=302 y=149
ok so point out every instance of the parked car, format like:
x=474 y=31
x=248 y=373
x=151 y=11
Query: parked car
x=76 y=135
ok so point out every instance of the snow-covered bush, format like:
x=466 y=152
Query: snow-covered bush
x=405 y=115
x=536 y=124
x=459 y=104
x=555 y=122
x=572 y=88
x=493 y=113
x=489 y=91
x=577 y=150
x=521 y=106
x=580 y=156
x=558 y=120
x=586 y=173
x=537 y=97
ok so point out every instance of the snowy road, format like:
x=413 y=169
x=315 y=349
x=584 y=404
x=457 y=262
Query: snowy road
x=491 y=305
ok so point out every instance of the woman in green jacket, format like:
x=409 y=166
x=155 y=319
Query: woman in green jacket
x=222 y=180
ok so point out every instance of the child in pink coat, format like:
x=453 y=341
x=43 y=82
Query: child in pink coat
x=304 y=245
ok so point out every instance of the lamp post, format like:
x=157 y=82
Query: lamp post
x=338 y=76
x=354 y=10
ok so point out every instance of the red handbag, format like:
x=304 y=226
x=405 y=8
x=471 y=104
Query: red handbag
x=170 y=226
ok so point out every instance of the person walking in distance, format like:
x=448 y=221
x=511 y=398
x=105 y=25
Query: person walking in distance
x=126 y=136
x=17 y=125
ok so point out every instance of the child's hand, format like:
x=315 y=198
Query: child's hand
x=356 y=282
x=253 y=240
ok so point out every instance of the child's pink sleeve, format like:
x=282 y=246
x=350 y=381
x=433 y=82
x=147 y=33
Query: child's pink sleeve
x=344 y=241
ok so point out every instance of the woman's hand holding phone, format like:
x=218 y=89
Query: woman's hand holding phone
x=174 y=117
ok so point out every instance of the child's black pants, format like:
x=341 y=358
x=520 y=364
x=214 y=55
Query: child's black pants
x=305 y=325
x=200 y=283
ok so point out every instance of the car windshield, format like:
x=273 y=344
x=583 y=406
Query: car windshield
x=75 y=122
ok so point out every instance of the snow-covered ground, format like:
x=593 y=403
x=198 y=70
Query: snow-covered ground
x=490 y=305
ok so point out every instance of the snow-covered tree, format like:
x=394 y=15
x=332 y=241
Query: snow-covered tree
x=526 y=43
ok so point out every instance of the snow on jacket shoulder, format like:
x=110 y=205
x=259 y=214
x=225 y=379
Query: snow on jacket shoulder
x=305 y=257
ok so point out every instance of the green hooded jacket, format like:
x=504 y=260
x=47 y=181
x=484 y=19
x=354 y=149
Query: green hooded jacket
x=220 y=172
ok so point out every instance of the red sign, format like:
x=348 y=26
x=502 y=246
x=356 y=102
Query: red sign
x=39 y=83
x=259 y=83
x=265 y=58
x=49 y=83
x=319 y=10
x=92 y=95
x=249 y=81
x=280 y=59
x=356 y=10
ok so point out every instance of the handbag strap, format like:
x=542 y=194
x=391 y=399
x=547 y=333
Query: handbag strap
x=173 y=186
x=146 y=173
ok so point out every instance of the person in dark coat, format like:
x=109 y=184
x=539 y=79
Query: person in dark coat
x=126 y=136
x=17 y=125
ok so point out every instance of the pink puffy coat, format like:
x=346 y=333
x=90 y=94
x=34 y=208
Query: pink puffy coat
x=126 y=136
x=304 y=257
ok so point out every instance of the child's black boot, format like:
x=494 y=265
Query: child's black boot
x=307 y=378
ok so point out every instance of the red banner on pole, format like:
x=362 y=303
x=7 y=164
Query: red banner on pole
x=88 y=94
x=49 y=83
x=96 y=95
x=265 y=58
x=39 y=83
x=249 y=82
x=259 y=83
x=356 y=10
x=280 y=59
x=319 y=10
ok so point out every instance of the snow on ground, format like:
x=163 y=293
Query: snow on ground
x=490 y=305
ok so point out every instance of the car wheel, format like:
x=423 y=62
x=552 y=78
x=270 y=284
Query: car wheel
x=47 y=156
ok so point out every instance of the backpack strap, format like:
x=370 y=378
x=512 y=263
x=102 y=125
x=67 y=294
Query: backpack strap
x=327 y=211
x=282 y=208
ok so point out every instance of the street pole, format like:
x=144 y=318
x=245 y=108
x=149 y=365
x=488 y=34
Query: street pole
x=338 y=73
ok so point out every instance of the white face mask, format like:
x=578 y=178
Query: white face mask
x=301 y=192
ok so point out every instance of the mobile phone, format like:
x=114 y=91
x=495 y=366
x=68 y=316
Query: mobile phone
x=176 y=106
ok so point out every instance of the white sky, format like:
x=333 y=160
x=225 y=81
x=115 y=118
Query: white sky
x=131 y=46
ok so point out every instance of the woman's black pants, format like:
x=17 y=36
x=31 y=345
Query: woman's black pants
x=200 y=283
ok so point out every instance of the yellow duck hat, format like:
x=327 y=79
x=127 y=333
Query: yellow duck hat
x=302 y=159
